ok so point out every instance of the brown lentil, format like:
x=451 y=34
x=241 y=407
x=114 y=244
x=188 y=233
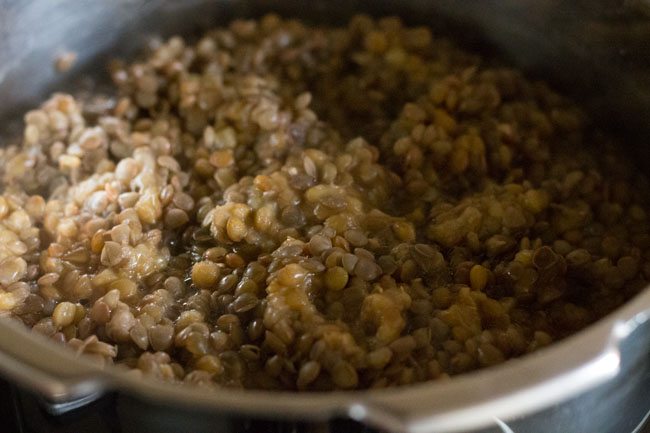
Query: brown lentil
x=63 y=314
x=205 y=274
x=478 y=277
x=312 y=208
x=336 y=278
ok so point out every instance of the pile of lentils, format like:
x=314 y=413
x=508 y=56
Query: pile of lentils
x=283 y=206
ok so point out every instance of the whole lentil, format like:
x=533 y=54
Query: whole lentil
x=311 y=208
x=205 y=274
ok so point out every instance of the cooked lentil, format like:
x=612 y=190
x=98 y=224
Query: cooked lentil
x=280 y=206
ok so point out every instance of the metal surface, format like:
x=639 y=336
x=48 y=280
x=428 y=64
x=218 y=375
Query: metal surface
x=599 y=51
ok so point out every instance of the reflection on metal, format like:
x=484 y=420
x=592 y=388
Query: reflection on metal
x=644 y=425
x=504 y=427
x=59 y=408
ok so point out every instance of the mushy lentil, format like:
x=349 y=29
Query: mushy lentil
x=280 y=206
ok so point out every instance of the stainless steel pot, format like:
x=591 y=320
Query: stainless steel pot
x=598 y=51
